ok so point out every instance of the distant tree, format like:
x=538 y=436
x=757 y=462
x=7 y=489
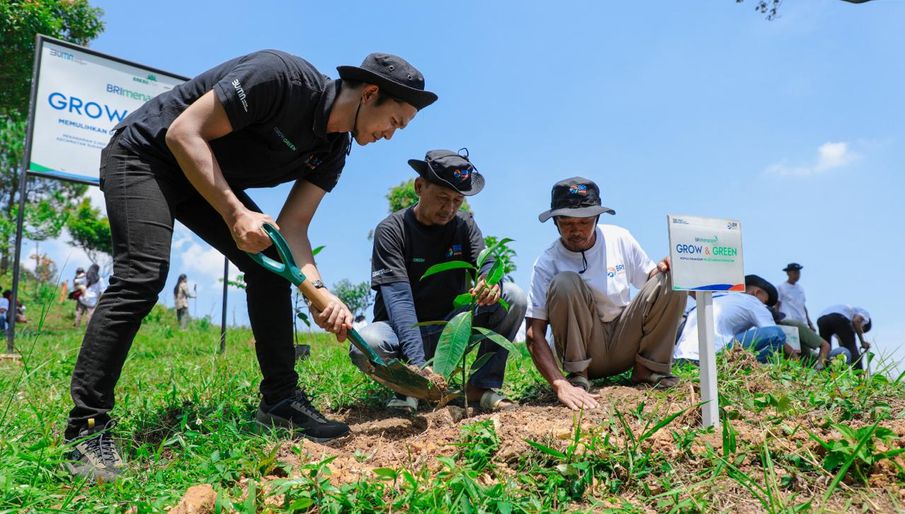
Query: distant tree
x=357 y=297
x=20 y=21
x=90 y=231
x=49 y=201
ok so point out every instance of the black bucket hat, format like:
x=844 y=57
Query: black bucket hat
x=576 y=197
x=793 y=266
x=394 y=76
x=757 y=281
x=450 y=169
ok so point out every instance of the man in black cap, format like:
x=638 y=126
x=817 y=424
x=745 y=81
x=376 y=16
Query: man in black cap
x=255 y=121
x=792 y=298
x=410 y=241
x=740 y=318
x=580 y=287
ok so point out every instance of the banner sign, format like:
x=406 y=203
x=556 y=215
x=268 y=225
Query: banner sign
x=706 y=254
x=80 y=95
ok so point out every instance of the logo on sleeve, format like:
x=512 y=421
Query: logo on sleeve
x=454 y=251
x=241 y=93
x=612 y=271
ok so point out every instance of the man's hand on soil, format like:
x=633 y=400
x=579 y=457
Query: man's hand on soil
x=248 y=233
x=573 y=397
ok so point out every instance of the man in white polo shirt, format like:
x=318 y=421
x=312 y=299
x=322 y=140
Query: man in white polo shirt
x=742 y=318
x=580 y=287
x=791 y=296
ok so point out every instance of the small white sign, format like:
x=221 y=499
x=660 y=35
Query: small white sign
x=792 y=337
x=706 y=254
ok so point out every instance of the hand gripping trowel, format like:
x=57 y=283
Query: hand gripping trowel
x=394 y=374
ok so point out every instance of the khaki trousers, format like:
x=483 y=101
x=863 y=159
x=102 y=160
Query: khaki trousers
x=645 y=332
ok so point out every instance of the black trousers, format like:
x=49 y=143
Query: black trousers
x=840 y=326
x=143 y=197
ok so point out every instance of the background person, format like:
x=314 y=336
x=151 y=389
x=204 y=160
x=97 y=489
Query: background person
x=181 y=294
x=741 y=318
x=91 y=291
x=580 y=286
x=792 y=298
x=846 y=323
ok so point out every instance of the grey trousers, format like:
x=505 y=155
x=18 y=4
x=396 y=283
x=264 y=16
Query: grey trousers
x=643 y=334
x=381 y=337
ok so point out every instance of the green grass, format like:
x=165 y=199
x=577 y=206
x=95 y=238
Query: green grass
x=185 y=417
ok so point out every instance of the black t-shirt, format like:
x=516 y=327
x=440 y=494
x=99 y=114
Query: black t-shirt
x=277 y=104
x=404 y=249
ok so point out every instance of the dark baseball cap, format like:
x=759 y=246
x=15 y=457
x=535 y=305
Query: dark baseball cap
x=757 y=281
x=450 y=169
x=793 y=266
x=576 y=197
x=394 y=76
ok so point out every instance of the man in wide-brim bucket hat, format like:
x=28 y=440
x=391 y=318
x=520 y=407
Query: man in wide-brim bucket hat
x=580 y=287
x=406 y=244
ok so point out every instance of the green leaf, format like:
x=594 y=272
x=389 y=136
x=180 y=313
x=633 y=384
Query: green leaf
x=482 y=257
x=662 y=423
x=546 y=449
x=451 y=347
x=386 y=473
x=495 y=274
x=446 y=266
x=480 y=361
x=504 y=304
x=498 y=339
x=317 y=250
x=463 y=300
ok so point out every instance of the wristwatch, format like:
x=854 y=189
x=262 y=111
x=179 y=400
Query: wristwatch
x=318 y=284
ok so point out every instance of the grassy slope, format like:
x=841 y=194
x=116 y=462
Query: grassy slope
x=185 y=418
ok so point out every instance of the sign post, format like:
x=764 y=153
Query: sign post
x=706 y=256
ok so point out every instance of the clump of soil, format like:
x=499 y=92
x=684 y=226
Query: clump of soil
x=435 y=379
x=198 y=499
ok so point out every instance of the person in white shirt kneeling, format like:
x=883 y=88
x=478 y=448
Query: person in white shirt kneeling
x=580 y=287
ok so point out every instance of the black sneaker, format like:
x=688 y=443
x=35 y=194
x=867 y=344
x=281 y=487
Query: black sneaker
x=298 y=415
x=94 y=454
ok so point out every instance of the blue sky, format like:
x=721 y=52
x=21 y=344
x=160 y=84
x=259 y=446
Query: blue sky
x=793 y=126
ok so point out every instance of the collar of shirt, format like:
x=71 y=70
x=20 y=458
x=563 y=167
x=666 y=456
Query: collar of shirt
x=324 y=106
x=322 y=112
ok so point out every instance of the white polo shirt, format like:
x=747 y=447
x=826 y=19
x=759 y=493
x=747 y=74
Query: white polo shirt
x=848 y=311
x=614 y=262
x=733 y=313
x=793 y=300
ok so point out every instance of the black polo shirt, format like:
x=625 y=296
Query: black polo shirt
x=404 y=249
x=277 y=104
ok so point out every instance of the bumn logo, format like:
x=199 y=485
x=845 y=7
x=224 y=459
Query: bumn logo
x=241 y=93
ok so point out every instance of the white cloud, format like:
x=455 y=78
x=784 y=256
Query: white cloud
x=829 y=156
x=201 y=263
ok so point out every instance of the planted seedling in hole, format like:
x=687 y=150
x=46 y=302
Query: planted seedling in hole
x=460 y=337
